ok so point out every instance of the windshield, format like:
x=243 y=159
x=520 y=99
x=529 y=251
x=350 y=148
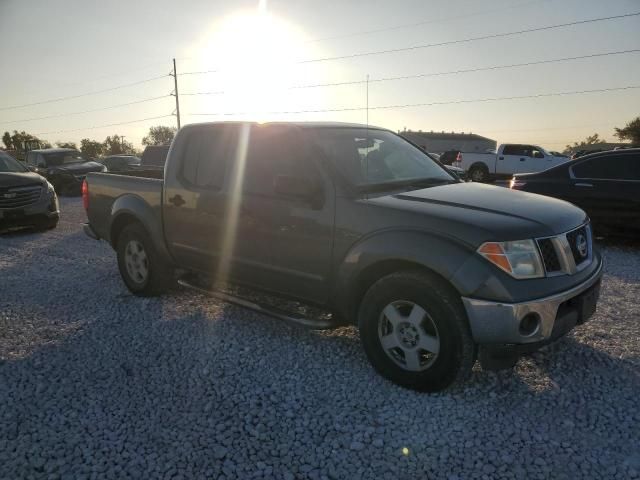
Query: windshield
x=11 y=165
x=63 y=158
x=371 y=157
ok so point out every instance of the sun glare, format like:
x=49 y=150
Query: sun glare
x=255 y=55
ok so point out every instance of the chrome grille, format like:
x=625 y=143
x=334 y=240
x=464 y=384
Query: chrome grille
x=16 y=197
x=549 y=255
x=568 y=252
x=580 y=245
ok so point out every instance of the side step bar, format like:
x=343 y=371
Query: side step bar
x=310 y=323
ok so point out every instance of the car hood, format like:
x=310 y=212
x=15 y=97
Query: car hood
x=475 y=212
x=8 y=179
x=79 y=168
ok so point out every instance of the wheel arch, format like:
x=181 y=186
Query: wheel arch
x=389 y=252
x=129 y=209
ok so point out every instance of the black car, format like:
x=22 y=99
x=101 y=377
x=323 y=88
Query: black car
x=120 y=163
x=605 y=184
x=26 y=198
x=65 y=168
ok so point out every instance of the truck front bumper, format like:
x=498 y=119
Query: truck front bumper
x=533 y=323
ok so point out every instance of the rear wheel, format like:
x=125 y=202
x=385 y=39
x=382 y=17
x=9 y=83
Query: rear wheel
x=140 y=265
x=478 y=173
x=414 y=332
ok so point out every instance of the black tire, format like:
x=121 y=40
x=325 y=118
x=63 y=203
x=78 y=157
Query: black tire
x=478 y=173
x=457 y=351
x=159 y=275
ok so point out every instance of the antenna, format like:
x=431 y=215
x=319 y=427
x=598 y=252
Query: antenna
x=366 y=158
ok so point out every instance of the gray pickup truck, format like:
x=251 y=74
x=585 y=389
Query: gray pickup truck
x=359 y=223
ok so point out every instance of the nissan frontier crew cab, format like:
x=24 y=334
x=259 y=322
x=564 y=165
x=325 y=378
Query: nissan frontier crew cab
x=357 y=222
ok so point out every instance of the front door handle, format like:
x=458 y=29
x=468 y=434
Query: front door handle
x=522 y=159
x=177 y=200
x=583 y=185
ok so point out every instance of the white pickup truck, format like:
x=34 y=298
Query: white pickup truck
x=510 y=158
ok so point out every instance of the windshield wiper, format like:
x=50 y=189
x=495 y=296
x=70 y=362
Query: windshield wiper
x=414 y=183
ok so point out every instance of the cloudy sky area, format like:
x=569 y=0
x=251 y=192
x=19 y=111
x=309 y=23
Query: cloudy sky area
x=53 y=49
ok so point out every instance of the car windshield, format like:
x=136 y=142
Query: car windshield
x=371 y=158
x=63 y=158
x=10 y=165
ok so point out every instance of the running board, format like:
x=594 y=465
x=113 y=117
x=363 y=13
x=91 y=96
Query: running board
x=311 y=323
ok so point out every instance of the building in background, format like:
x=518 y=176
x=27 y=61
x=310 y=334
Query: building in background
x=438 y=142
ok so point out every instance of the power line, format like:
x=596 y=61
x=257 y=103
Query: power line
x=203 y=93
x=86 y=111
x=471 y=39
x=418 y=24
x=94 y=92
x=468 y=70
x=203 y=72
x=430 y=104
x=104 y=126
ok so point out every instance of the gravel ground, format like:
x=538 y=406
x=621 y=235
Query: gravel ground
x=96 y=383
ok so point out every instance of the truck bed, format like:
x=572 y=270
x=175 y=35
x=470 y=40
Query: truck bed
x=106 y=188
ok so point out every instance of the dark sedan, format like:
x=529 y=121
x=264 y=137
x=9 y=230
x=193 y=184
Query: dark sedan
x=120 y=163
x=605 y=184
x=65 y=168
x=26 y=198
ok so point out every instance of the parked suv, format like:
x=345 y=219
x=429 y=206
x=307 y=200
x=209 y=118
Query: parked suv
x=359 y=222
x=64 y=168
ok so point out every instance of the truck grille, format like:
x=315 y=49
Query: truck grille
x=17 y=197
x=549 y=255
x=566 y=253
x=580 y=245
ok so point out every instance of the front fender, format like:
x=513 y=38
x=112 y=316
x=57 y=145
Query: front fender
x=438 y=253
x=130 y=206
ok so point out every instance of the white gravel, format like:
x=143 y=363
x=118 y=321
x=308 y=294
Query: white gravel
x=96 y=383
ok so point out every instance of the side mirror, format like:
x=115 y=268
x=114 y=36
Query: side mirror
x=537 y=154
x=295 y=186
x=32 y=168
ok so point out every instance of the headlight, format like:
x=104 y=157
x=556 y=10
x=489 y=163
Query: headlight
x=519 y=258
x=48 y=190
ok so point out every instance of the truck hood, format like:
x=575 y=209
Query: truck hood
x=78 y=168
x=8 y=179
x=476 y=212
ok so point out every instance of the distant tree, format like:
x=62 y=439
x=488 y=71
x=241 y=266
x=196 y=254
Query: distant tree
x=159 y=135
x=116 y=145
x=91 y=148
x=6 y=139
x=590 y=140
x=16 y=141
x=67 y=145
x=630 y=132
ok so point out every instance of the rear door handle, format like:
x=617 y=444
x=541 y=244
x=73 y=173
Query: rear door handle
x=500 y=158
x=177 y=200
x=583 y=185
x=522 y=159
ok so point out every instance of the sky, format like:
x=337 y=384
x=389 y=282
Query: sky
x=256 y=55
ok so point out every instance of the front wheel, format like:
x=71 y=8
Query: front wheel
x=141 y=267
x=414 y=332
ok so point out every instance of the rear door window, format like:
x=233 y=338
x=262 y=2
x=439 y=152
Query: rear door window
x=610 y=167
x=207 y=154
x=515 y=150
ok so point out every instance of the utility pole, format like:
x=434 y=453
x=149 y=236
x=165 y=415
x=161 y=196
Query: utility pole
x=175 y=93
